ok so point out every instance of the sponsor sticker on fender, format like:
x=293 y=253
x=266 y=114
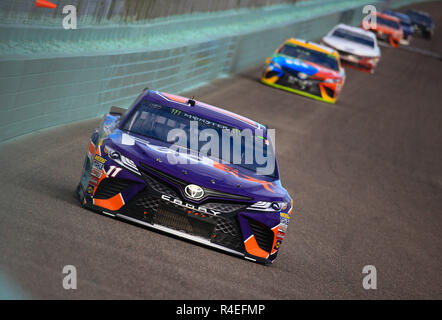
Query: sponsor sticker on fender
x=285 y=215
x=96 y=172
x=98 y=165
x=100 y=159
x=93 y=181
x=284 y=221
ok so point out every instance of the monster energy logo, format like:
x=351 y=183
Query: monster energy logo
x=176 y=111
x=235 y=131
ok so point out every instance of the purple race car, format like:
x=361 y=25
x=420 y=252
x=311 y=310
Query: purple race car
x=183 y=167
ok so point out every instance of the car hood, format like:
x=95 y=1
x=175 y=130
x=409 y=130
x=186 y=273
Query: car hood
x=422 y=22
x=351 y=47
x=306 y=67
x=202 y=171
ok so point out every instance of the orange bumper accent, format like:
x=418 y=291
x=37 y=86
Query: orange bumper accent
x=252 y=248
x=114 y=203
x=275 y=232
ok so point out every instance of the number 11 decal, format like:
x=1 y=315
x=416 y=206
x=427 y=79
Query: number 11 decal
x=113 y=171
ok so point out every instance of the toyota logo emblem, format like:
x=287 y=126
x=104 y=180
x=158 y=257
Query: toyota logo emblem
x=194 y=192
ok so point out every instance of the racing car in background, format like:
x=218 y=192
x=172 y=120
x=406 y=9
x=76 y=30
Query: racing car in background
x=132 y=172
x=387 y=28
x=356 y=47
x=422 y=23
x=305 y=68
x=407 y=26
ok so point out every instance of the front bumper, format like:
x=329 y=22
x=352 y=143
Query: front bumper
x=393 y=40
x=424 y=31
x=406 y=40
x=358 y=62
x=315 y=89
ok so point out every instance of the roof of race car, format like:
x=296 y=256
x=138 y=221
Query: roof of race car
x=354 y=29
x=204 y=110
x=401 y=16
x=312 y=45
x=419 y=12
x=388 y=17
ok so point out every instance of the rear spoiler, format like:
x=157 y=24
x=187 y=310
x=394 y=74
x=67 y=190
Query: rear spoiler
x=117 y=111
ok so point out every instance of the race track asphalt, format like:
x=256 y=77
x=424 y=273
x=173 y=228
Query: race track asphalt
x=365 y=174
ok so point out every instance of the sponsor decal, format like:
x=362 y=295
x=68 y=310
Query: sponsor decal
x=282 y=227
x=277 y=245
x=97 y=165
x=90 y=189
x=189 y=206
x=285 y=215
x=175 y=111
x=96 y=172
x=93 y=181
x=100 y=159
x=284 y=221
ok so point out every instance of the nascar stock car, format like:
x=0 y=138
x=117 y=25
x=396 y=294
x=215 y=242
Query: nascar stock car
x=422 y=23
x=386 y=28
x=357 y=48
x=228 y=205
x=306 y=68
x=407 y=26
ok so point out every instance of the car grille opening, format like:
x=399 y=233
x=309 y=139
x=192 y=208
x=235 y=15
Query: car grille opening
x=110 y=187
x=329 y=92
x=271 y=74
x=158 y=186
x=311 y=86
x=228 y=234
x=179 y=220
x=227 y=227
x=148 y=202
x=149 y=206
x=263 y=235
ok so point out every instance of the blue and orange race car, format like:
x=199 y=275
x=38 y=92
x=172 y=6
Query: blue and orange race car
x=139 y=168
x=306 y=68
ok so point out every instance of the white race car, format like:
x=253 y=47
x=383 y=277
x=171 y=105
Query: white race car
x=357 y=47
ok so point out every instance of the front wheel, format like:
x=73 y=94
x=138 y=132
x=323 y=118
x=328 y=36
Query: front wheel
x=393 y=42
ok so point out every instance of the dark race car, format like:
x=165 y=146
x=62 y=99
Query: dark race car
x=139 y=169
x=422 y=23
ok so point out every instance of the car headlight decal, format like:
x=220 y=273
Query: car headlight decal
x=121 y=160
x=275 y=64
x=268 y=206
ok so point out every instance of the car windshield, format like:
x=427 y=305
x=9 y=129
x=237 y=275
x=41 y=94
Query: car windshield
x=354 y=37
x=323 y=59
x=387 y=22
x=186 y=130
x=403 y=18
